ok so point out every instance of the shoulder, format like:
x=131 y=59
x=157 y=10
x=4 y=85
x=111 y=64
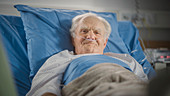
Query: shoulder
x=62 y=54
x=57 y=59
x=117 y=54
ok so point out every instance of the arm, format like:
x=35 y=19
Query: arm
x=48 y=78
x=132 y=63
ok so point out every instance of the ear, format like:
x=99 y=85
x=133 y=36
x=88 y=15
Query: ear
x=105 y=42
x=72 y=40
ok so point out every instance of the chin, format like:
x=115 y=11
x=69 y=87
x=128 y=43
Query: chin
x=91 y=50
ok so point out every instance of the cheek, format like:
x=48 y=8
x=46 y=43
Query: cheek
x=101 y=42
x=77 y=41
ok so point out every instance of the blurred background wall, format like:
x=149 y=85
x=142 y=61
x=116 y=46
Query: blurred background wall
x=152 y=17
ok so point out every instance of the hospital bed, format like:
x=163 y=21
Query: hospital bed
x=30 y=39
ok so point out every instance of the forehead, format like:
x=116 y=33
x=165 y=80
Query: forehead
x=92 y=21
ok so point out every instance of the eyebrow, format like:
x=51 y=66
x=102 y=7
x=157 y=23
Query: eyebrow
x=85 y=27
x=98 y=29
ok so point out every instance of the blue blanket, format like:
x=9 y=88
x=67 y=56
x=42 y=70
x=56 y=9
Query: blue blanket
x=80 y=65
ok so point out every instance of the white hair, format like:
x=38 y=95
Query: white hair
x=79 y=18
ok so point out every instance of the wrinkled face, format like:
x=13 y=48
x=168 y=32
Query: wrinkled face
x=90 y=36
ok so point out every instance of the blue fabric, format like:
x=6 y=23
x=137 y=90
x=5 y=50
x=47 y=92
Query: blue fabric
x=129 y=33
x=47 y=33
x=14 y=41
x=80 y=65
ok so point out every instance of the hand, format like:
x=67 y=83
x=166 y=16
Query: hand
x=49 y=94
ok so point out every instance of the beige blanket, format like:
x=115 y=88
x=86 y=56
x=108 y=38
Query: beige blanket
x=106 y=79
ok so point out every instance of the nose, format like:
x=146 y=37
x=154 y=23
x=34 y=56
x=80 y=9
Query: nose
x=91 y=35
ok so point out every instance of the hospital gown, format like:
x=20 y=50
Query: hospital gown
x=49 y=76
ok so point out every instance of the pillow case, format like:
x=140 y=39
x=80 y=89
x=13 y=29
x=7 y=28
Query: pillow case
x=129 y=34
x=14 y=42
x=47 y=33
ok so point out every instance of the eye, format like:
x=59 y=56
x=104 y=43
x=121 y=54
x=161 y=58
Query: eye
x=84 y=30
x=97 y=32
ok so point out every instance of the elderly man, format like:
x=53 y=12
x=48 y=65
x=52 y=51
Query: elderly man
x=89 y=36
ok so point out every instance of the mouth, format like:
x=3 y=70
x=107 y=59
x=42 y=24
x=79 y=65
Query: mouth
x=89 y=42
